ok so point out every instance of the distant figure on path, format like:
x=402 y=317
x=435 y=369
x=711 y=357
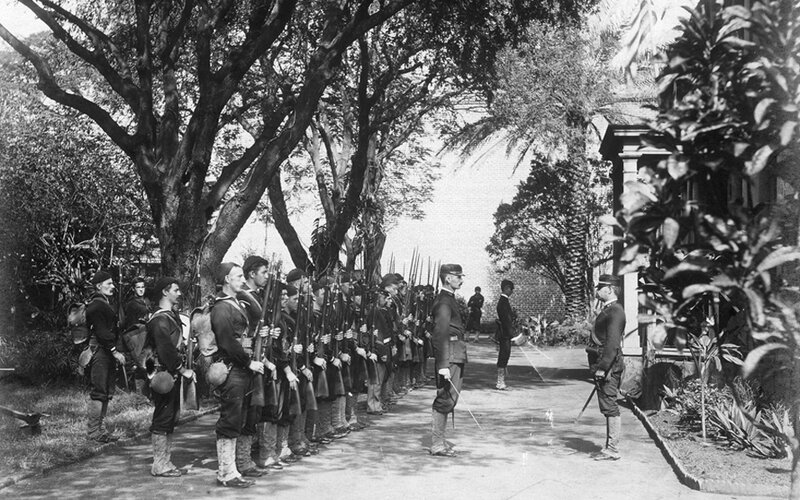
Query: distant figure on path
x=605 y=361
x=505 y=331
x=475 y=305
x=450 y=353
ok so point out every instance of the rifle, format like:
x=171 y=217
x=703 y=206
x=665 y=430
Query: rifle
x=189 y=387
x=321 y=388
x=302 y=324
x=331 y=324
x=259 y=398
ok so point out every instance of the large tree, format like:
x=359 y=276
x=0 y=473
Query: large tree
x=531 y=231
x=549 y=89
x=174 y=74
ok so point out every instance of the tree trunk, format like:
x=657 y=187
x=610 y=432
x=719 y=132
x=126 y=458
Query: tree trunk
x=576 y=261
x=284 y=226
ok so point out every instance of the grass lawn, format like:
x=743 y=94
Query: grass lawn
x=63 y=438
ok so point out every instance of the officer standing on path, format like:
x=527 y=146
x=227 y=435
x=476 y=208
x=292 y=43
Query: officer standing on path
x=605 y=361
x=505 y=332
x=450 y=353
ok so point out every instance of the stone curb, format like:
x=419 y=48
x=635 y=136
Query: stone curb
x=101 y=448
x=706 y=485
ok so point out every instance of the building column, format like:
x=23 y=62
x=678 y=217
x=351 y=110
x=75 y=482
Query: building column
x=631 y=341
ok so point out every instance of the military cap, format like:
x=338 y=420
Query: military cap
x=451 y=269
x=317 y=285
x=253 y=262
x=609 y=279
x=138 y=279
x=162 y=284
x=100 y=276
x=400 y=278
x=294 y=275
x=389 y=279
x=223 y=270
x=291 y=290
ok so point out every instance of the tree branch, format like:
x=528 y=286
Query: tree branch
x=51 y=89
x=125 y=88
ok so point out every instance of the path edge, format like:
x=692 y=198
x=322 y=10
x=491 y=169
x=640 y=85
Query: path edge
x=99 y=449
x=705 y=485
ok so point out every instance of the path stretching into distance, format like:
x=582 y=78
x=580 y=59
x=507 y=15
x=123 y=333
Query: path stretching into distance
x=527 y=448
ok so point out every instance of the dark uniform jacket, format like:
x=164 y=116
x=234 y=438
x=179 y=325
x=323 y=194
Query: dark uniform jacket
x=230 y=321
x=165 y=332
x=448 y=331
x=475 y=304
x=504 y=317
x=607 y=336
x=101 y=319
x=381 y=321
x=136 y=311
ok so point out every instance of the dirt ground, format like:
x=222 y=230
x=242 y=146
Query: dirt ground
x=527 y=447
x=712 y=461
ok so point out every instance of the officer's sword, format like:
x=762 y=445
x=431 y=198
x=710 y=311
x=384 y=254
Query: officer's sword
x=465 y=404
x=591 y=395
x=531 y=363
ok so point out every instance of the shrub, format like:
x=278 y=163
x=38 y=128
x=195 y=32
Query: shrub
x=39 y=356
x=566 y=334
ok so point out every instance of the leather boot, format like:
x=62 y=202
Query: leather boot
x=501 y=379
x=438 y=443
x=244 y=459
x=162 y=464
x=227 y=475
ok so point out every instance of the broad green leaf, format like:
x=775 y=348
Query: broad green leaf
x=692 y=290
x=761 y=109
x=778 y=257
x=753 y=359
x=684 y=267
x=670 y=229
x=787 y=132
x=760 y=160
x=723 y=281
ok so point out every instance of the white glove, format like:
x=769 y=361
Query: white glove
x=344 y=357
x=119 y=357
x=394 y=351
x=187 y=373
x=275 y=332
x=349 y=334
x=311 y=348
x=339 y=337
x=419 y=341
x=298 y=348
x=257 y=366
x=337 y=362
x=291 y=377
x=307 y=374
x=263 y=332
x=269 y=365
x=445 y=372
x=319 y=362
x=363 y=329
x=374 y=357
x=361 y=352
x=326 y=339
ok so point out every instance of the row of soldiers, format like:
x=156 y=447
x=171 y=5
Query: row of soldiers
x=286 y=358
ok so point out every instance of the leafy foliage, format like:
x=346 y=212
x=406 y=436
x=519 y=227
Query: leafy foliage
x=68 y=200
x=730 y=110
x=531 y=230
